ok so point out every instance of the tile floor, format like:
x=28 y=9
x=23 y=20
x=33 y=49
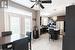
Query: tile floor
x=43 y=43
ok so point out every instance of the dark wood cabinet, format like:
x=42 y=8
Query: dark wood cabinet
x=35 y=34
x=60 y=18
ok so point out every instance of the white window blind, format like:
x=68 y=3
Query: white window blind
x=28 y=24
x=15 y=25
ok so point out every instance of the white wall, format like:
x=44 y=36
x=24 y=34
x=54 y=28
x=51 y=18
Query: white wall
x=38 y=21
x=2 y=24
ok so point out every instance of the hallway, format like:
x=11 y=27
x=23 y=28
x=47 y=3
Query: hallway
x=43 y=43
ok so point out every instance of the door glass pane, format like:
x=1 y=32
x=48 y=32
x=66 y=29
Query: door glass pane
x=15 y=25
x=27 y=24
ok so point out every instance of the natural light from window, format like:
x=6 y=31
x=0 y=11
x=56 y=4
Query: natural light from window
x=15 y=24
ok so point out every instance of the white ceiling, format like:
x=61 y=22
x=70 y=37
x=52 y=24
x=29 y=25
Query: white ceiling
x=57 y=7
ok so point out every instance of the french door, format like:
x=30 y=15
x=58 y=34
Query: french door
x=15 y=24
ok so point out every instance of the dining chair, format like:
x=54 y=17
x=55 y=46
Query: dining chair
x=51 y=34
x=7 y=46
x=21 y=44
x=6 y=33
x=29 y=38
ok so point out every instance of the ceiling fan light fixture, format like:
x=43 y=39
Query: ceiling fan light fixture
x=47 y=1
x=36 y=7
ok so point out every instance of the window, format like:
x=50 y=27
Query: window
x=15 y=25
x=60 y=24
x=15 y=22
x=28 y=24
x=44 y=20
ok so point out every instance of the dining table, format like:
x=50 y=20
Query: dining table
x=11 y=39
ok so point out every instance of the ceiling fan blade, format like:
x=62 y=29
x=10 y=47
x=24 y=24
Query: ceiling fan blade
x=33 y=0
x=32 y=6
x=39 y=0
x=42 y=6
x=47 y=1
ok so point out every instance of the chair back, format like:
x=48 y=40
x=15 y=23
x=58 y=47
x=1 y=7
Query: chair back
x=51 y=31
x=6 y=33
x=21 y=44
x=29 y=36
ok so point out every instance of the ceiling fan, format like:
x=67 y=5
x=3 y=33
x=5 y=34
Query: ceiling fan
x=39 y=2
